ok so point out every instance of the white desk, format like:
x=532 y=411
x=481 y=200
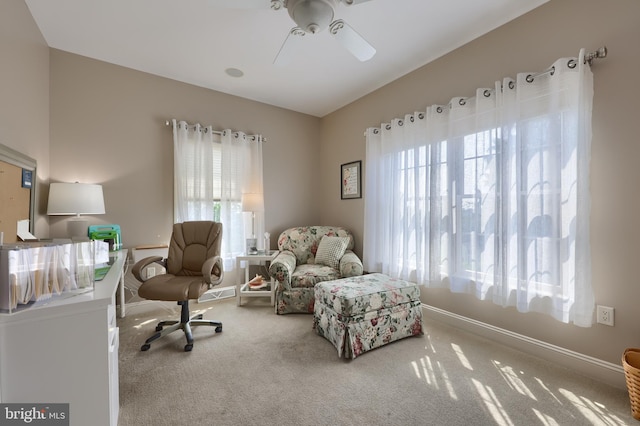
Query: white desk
x=242 y=289
x=123 y=272
x=66 y=351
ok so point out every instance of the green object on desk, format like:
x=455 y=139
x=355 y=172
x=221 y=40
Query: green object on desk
x=108 y=233
x=100 y=273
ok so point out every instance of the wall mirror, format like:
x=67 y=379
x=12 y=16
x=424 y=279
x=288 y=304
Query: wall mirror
x=17 y=192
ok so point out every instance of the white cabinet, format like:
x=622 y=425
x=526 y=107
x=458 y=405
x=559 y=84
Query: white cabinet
x=66 y=352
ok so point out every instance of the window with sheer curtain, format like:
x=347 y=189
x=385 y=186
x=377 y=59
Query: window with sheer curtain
x=211 y=172
x=489 y=195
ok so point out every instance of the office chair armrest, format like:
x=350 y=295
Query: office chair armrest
x=143 y=263
x=207 y=271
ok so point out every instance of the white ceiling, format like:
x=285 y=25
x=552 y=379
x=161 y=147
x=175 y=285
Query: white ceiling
x=195 y=41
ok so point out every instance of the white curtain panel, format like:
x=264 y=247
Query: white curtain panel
x=489 y=195
x=211 y=171
x=193 y=153
x=241 y=172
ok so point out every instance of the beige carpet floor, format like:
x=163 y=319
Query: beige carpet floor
x=265 y=369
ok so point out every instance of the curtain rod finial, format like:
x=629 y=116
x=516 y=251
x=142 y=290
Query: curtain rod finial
x=598 y=54
x=602 y=52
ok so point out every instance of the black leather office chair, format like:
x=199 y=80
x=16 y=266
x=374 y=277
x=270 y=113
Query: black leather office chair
x=193 y=266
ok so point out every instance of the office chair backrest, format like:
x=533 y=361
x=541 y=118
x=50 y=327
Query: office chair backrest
x=192 y=243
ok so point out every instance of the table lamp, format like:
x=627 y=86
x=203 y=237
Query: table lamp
x=252 y=202
x=67 y=199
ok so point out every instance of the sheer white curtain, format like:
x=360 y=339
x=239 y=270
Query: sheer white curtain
x=211 y=171
x=193 y=183
x=241 y=172
x=489 y=195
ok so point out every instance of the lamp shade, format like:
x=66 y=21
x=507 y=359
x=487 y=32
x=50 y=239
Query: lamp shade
x=252 y=202
x=75 y=199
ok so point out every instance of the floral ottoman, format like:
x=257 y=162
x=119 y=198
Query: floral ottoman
x=358 y=314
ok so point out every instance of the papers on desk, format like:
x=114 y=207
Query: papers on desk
x=23 y=231
x=102 y=260
x=37 y=272
x=101 y=252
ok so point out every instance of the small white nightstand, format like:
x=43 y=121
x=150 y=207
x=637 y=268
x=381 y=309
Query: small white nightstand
x=242 y=289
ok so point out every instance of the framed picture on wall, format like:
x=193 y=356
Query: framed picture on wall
x=350 y=181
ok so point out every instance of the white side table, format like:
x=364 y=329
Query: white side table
x=243 y=287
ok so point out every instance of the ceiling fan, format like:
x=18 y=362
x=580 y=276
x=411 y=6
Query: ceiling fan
x=312 y=17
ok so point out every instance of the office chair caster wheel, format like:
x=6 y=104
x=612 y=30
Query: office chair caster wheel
x=145 y=347
x=188 y=347
x=218 y=329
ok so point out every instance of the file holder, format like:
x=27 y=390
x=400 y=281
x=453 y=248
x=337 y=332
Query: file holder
x=32 y=274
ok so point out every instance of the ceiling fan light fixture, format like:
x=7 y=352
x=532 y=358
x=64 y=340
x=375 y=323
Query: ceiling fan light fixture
x=311 y=15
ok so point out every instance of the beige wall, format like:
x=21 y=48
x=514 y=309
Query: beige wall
x=108 y=127
x=531 y=43
x=24 y=95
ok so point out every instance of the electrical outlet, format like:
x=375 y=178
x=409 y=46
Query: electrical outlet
x=151 y=272
x=605 y=315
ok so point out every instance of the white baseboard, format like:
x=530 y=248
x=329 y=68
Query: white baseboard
x=585 y=365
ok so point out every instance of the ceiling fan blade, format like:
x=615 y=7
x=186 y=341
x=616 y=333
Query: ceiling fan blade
x=351 y=40
x=291 y=46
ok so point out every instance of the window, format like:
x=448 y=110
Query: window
x=489 y=195
x=211 y=171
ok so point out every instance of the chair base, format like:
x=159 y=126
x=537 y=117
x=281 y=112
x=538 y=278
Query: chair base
x=185 y=324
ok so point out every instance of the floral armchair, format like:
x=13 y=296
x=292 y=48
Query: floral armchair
x=309 y=255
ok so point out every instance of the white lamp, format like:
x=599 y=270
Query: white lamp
x=66 y=199
x=252 y=202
